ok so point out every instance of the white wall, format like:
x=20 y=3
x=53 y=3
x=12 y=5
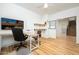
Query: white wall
x=48 y=33
x=61 y=15
x=77 y=30
x=17 y=12
x=65 y=14
x=0 y=36
x=61 y=27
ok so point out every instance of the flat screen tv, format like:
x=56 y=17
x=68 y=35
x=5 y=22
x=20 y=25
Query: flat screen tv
x=8 y=23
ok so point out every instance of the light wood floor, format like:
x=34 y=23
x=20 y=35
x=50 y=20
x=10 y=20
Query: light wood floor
x=62 y=46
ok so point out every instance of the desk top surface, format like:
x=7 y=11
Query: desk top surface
x=9 y=32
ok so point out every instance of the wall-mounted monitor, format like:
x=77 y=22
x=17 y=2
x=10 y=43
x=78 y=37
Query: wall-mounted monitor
x=8 y=23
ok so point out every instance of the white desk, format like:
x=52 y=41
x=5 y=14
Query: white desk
x=9 y=33
x=5 y=32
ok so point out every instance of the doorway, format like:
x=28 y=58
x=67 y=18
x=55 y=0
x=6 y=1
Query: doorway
x=71 y=29
x=66 y=27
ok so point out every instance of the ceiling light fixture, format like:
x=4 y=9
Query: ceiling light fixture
x=45 y=5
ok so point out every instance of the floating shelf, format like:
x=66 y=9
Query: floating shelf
x=40 y=24
x=39 y=29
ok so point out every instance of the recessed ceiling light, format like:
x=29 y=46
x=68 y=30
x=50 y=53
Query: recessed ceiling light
x=45 y=5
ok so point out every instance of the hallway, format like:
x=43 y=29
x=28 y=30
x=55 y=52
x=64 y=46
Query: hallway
x=62 y=46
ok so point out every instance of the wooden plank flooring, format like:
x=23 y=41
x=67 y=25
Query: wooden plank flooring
x=60 y=46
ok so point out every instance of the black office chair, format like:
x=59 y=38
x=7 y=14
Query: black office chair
x=19 y=36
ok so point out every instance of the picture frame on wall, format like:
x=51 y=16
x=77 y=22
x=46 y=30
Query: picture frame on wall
x=52 y=24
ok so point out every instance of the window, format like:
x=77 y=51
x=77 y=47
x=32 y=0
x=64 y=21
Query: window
x=52 y=24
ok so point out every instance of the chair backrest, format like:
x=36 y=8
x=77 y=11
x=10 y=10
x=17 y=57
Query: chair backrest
x=18 y=34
